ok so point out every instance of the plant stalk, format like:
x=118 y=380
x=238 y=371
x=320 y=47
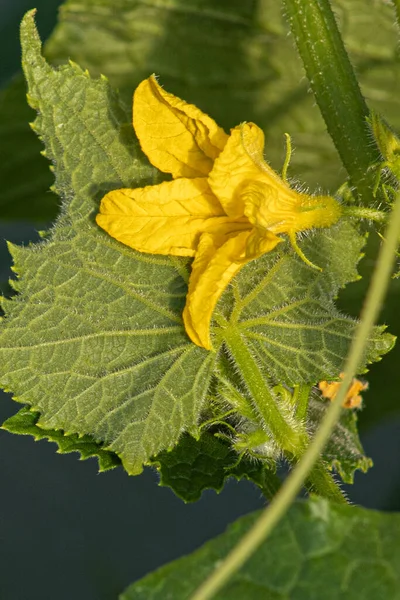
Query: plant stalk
x=320 y=481
x=397 y=9
x=363 y=212
x=264 y=402
x=335 y=88
x=293 y=441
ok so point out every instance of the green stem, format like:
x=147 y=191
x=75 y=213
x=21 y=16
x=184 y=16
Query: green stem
x=320 y=481
x=292 y=441
x=397 y=9
x=264 y=402
x=289 y=490
x=335 y=87
x=301 y=395
x=362 y=212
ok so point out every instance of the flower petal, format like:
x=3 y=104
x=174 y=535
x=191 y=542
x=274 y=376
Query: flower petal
x=177 y=137
x=165 y=219
x=246 y=185
x=240 y=162
x=218 y=259
x=270 y=206
x=352 y=398
x=283 y=210
x=260 y=242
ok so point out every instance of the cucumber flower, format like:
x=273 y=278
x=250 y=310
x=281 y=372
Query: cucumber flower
x=224 y=207
x=353 y=399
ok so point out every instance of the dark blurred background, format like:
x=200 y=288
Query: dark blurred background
x=68 y=532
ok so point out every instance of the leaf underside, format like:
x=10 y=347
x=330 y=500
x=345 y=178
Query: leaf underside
x=25 y=423
x=286 y=313
x=195 y=465
x=343 y=451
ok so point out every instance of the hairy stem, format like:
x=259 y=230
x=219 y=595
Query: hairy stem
x=301 y=395
x=320 y=481
x=289 y=490
x=335 y=87
x=363 y=212
x=265 y=403
x=291 y=437
x=397 y=9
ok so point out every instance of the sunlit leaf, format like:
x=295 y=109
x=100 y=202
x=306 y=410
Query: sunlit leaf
x=285 y=311
x=94 y=340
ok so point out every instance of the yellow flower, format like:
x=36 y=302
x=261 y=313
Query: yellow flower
x=224 y=206
x=352 y=398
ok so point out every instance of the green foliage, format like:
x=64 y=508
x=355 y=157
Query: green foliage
x=343 y=452
x=285 y=311
x=94 y=341
x=317 y=551
x=389 y=146
x=195 y=465
x=206 y=54
x=25 y=423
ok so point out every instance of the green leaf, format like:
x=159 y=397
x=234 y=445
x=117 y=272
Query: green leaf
x=25 y=423
x=195 y=465
x=95 y=341
x=286 y=314
x=317 y=551
x=343 y=451
x=25 y=175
